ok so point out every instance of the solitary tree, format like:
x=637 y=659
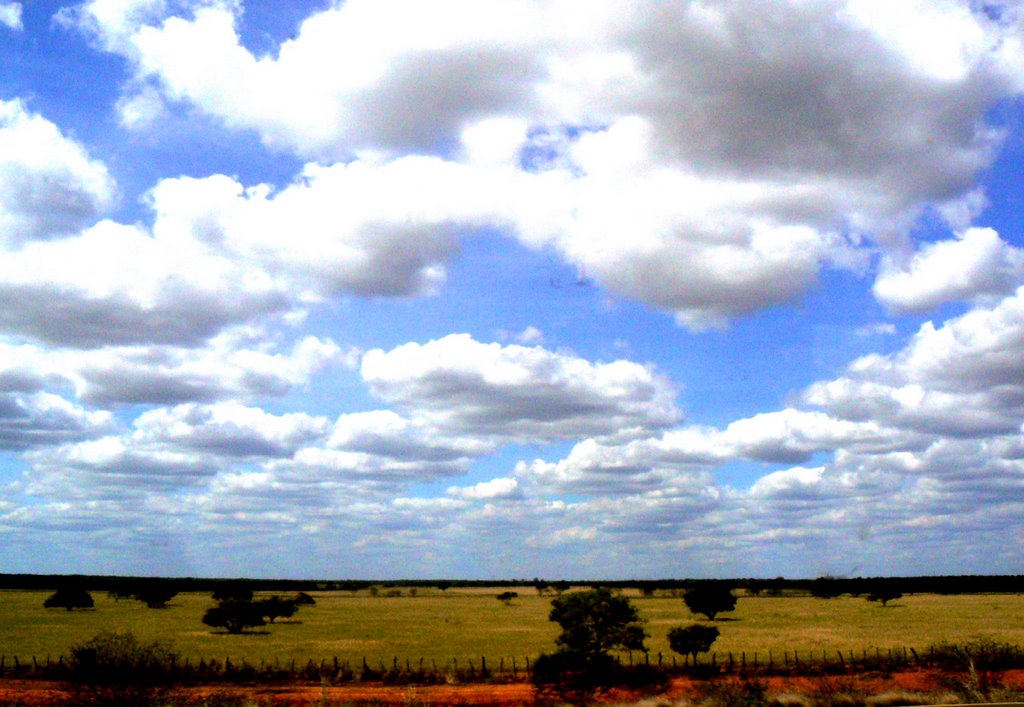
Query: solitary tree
x=69 y=598
x=593 y=623
x=234 y=616
x=507 y=597
x=155 y=596
x=709 y=599
x=692 y=639
x=596 y=622
x=885 y=595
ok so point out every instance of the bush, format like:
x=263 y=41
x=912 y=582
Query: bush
x=116 y=669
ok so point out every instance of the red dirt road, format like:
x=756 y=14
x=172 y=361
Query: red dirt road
x=41 y=693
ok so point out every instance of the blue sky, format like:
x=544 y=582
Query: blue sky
x=599 y=289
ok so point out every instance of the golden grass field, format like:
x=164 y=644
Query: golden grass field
x=469 y=623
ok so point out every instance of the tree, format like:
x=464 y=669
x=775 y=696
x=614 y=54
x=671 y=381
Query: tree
x=827 y=587
x=303 y=599
x=709 y=599
x=277 y=607
x=235 y=616
x=885 y=595
x=155 y=596
x=595 y=622
x=69 y=598
x=507 y=597
x=232 y=592
x=692 y=639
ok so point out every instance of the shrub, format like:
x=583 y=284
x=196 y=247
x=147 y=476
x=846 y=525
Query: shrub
x=116 y=669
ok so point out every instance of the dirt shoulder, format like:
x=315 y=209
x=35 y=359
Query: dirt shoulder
x=41 y=693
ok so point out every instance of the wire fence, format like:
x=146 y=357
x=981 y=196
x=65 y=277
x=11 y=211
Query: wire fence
x=430 y=671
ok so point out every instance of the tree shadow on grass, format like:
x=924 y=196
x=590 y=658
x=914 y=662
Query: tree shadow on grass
x=240 y=633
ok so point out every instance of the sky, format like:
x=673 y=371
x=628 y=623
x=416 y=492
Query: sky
x=595 y=289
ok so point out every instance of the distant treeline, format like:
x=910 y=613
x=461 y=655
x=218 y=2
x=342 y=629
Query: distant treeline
x=820 y=586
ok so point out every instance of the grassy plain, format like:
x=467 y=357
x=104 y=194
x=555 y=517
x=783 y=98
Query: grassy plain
x=467 y=624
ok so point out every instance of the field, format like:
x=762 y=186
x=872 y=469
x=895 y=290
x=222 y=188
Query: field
x=468 y=624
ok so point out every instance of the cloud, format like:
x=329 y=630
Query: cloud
x=516 y=392
x=228 y=429
x=387 y=434
x=960 y=378
x=977 y=264
x=705 y=160
x=48 y=184
x=40 y=419
x=487 y=490
x=230 y=366
x=10 y=15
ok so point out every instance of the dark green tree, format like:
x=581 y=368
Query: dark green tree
x=709 y=599
x=885 y=595
x=69 y=598
x=507 y=597
x=234 y=615
x=692 y=639
x=232 y=592
x=827 y=587
x=596 y=622
x=155 y=596
x=275 y=608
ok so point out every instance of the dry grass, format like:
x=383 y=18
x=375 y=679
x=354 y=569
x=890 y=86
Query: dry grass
x=468 y=624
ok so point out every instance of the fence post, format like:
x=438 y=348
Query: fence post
x=513 y=666
x=527 y=666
